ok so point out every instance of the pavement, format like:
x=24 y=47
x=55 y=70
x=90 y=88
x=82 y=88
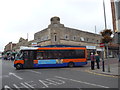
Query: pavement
x=114 y=68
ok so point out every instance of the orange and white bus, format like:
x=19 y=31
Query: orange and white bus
x=34 y=57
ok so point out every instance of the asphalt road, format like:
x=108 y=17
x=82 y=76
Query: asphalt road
x=66 y=77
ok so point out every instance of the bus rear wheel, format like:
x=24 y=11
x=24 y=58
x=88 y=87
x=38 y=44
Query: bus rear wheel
x=71 y=64
x=18 y=66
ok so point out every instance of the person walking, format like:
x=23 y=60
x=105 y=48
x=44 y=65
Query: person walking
x=97 y=60
x=92 y=57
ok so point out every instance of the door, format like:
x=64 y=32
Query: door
x=28 y=59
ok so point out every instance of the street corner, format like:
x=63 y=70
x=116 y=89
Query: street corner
x=101 y=73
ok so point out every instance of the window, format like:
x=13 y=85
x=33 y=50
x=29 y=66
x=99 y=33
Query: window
x=25 y=55
x=82 y=39
x=87 y=39
x=60 y=54
x=55 y=38
x=74 y=38
x=66 y=37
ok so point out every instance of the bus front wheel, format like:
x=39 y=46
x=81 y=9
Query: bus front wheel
x=71 y=64
x=18 y=66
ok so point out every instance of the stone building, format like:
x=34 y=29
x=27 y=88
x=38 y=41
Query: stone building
x=118 y=15
x=22 y=42
x=57 y=34
x=115 y=5
x=9 y=46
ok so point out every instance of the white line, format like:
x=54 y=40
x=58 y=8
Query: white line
x=19 y=88
x=24 y=85
x=55 y=83
x=83 y=82
x=29 y=85
x=10 y=73
x=6 y=87
x=35 y=71
x=43 y=83
x=16 y=86
x=56 y=79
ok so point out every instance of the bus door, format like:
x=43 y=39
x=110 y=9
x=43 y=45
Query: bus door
x=28 y=59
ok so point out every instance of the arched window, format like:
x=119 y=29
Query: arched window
x=55 y=37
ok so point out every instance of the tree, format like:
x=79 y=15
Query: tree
x=106 y=36
x=106 y=39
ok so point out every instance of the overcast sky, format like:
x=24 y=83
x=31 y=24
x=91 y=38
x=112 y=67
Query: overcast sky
x=19 y=17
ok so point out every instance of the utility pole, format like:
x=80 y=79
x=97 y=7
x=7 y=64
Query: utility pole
x=106 y=44
x=27 y=36
x=95 y=30
x=105 y=28
x=104 y=14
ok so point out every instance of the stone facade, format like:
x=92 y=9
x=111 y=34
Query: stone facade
x=113 y=16
x=22 y=42
x=9 y=46
x=58 y=34
x=117 y=6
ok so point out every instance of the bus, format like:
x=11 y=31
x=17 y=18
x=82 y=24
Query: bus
x=38 y=57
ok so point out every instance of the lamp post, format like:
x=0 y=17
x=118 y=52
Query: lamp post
x=108 y=58
x=103 y=66
x=105 y=28
x=104 y=14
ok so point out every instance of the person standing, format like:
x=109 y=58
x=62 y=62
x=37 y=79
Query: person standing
x=92 y=57
x=97 y=60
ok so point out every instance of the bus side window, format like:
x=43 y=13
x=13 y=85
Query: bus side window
x=25 y=55
x=39 y=55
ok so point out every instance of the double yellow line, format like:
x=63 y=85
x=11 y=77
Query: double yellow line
x=102 y=74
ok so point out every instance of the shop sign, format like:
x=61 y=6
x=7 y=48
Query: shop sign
x=91 y=47
x=34 y=44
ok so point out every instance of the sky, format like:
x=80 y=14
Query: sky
x=19 y=17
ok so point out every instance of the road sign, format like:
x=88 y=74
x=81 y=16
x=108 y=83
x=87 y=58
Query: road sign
x=102 y=44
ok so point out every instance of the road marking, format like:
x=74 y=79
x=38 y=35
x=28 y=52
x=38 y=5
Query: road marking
x=6 y=87
x=24 y=85
x=43 y=83
x=10 y=73
x=56 y=80
x=35 y=71
x=82 y=82
x=46 y=83
x=18 y=88
x=28 y=83
x=101 y=74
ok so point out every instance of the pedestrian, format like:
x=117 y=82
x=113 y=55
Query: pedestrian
x=119 y=57
x=97 y=57
x=92 y=57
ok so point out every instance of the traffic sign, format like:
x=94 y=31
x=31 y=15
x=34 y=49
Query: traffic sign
x=102 y=44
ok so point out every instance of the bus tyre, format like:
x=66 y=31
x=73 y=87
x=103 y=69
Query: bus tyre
x=18 y=66
x=71 y=64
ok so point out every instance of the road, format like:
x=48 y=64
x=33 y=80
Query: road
x=76 y=77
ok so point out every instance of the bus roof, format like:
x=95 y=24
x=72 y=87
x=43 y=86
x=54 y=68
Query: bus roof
x=60 y=46
x=49 y=47
x=28 y=48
